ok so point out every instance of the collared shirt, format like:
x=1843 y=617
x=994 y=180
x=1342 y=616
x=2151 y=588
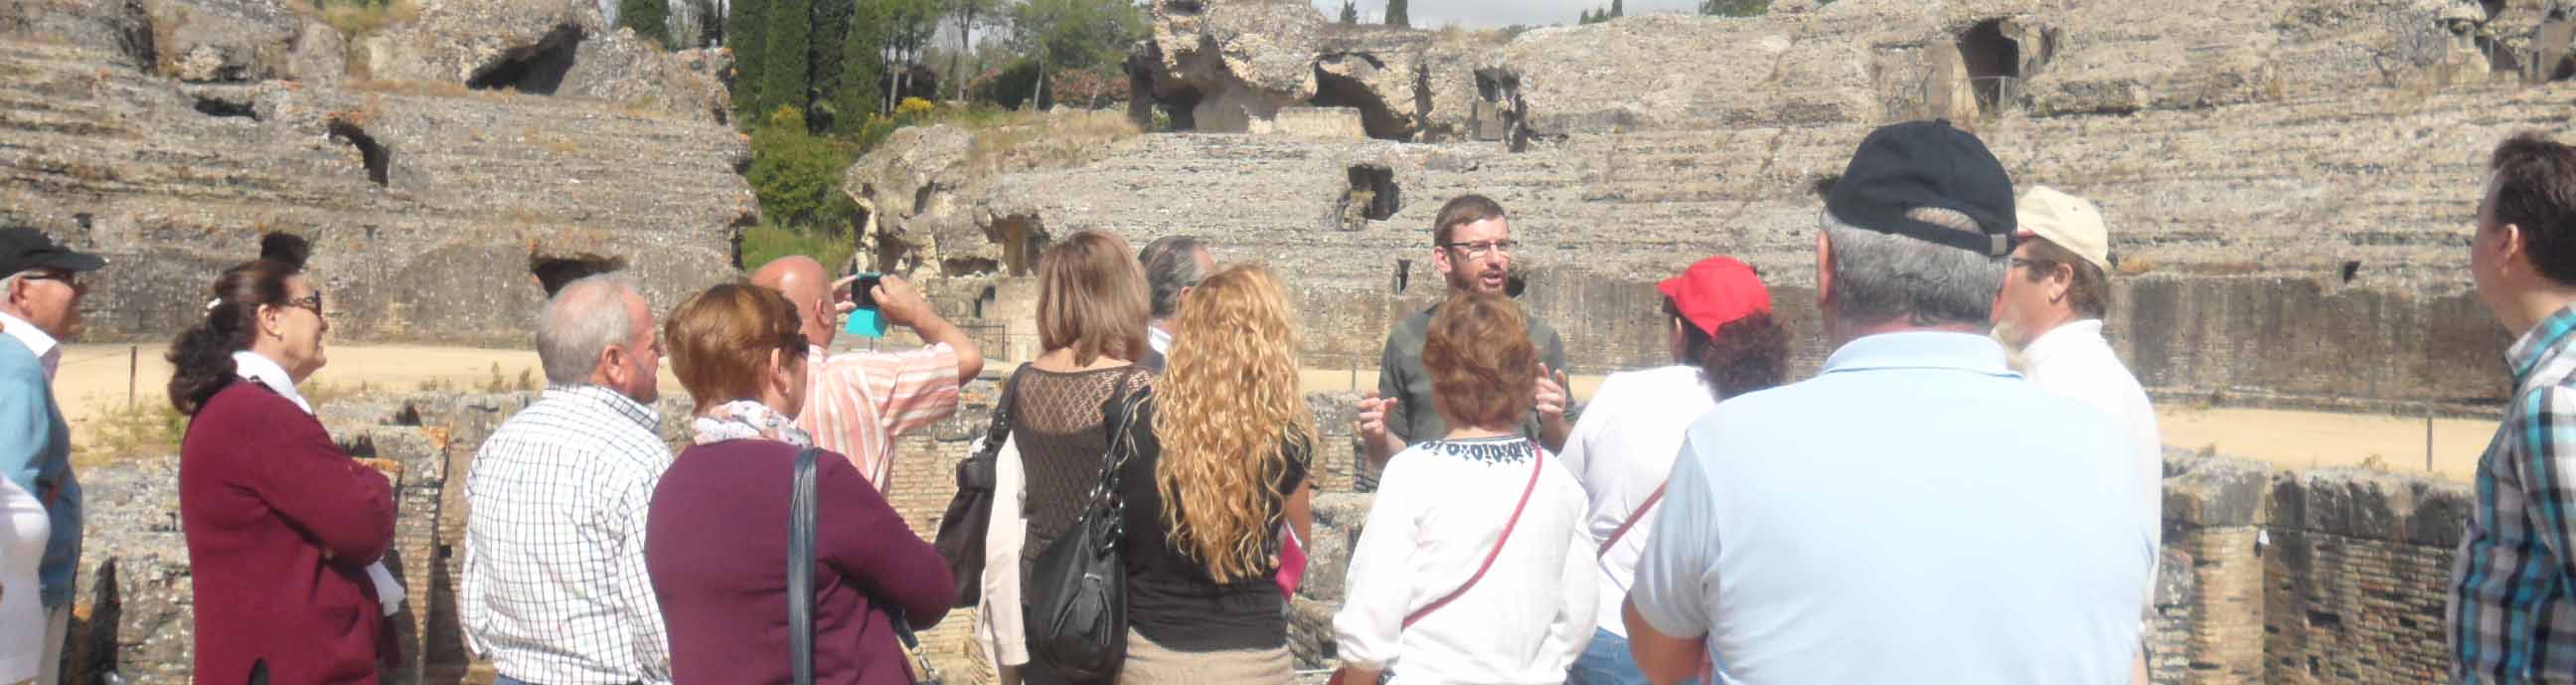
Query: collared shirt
x=555 y=589
x=1159 y=339
x=35 y=455
x=2512 y=614
x=1440 y=509
x=856 y=404
x=1915 y=513
x=48 y=350
x=1622 y=450
x=1402 y=376
x=2074 y=361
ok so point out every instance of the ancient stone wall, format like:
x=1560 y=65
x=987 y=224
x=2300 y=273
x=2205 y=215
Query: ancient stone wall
x=430 y=173
x=2333 y=576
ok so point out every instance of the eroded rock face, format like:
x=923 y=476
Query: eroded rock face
x=423 y=205
x=547 y=47
x=1232 y=66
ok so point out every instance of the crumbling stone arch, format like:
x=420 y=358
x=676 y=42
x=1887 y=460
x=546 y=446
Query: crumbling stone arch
x=536 y=69
x=374 y=156
x=1377 y=116
x=1993 y=62
x=553 y=271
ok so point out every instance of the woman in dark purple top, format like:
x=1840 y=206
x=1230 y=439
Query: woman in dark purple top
x=716 y=540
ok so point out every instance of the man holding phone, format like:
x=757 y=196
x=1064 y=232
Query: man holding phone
x=857 y=403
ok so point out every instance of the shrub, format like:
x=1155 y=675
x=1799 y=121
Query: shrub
x=769 y=241
x=797 y=175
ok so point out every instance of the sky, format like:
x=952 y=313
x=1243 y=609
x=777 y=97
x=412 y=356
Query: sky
x=1498 y=13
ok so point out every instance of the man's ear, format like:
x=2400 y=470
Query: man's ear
x=614 y=359
x=1824 y=269
x=1185 y=292
x=2511 y=252
x=1440 y=260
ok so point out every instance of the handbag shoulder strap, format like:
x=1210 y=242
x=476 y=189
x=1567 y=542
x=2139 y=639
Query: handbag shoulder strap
x=999 y=429
x=1633 y=517
x=800 y=569
x=1538 y=464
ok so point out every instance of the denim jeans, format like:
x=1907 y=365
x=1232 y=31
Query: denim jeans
x=1606 y=662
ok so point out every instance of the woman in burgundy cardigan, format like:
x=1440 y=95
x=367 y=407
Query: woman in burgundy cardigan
x=715 y=542
x=282 y=526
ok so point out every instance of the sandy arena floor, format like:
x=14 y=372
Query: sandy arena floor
x=94 y=380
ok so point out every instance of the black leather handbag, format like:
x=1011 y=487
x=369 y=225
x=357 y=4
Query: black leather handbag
x=1076 y=604
x=800 y=584
x=960 y=539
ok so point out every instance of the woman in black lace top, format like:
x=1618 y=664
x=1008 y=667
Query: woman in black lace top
x=1091 y=321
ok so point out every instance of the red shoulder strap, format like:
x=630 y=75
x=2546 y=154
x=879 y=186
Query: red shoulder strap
x=1537 y=464
x=1633 y=517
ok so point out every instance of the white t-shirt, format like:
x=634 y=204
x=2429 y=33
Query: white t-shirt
x=2074 y=362
x=1622 y=450
x=23 y=530
x=1440 y=508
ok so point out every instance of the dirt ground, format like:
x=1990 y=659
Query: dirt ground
x=94 y=378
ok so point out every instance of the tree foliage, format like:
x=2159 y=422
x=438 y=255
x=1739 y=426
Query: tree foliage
x=746 y=33
x=651 y=20
x=1396 y=14
x=1735 y=8
x=797 y=174
x=1350 y=12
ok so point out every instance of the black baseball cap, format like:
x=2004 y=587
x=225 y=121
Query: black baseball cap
x=23 y=248
x=1916 y=165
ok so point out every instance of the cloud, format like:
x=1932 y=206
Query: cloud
x=1499 y=13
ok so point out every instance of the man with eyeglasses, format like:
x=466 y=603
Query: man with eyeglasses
x=40 y=307
x=1472 y=249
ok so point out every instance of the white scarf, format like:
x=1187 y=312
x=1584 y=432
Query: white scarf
x=254 y=367
x=747 y=420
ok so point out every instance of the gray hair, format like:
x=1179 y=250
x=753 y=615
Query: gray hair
x=1171 y=263
x=1881 y=277
x=581 y=322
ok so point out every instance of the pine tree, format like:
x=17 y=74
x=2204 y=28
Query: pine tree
x=746 y=24
x=1350 y=12
x=651 y=20
x=1617 y=10
x=1396 y=15
x=785 y=58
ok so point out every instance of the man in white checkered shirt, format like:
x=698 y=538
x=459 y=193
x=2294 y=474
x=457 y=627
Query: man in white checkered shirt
x=555 y=591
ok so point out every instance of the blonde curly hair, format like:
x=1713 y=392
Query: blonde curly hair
x=1230 y=418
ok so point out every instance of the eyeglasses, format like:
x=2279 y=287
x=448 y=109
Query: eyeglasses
x=1481 y=249
x=68 y=278
x=312 y=302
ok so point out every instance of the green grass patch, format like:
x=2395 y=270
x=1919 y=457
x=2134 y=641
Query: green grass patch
x=770 y=241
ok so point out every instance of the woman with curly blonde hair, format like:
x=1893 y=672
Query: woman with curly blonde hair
x=1223 y=442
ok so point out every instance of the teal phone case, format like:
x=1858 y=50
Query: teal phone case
x=865 y=322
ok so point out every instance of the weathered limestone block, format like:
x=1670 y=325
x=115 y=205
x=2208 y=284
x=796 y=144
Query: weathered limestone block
x=320 y=56
x=120 y=30
x=547 y=47
x=223 y=40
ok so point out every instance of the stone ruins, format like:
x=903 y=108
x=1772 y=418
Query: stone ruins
x=2290 y=183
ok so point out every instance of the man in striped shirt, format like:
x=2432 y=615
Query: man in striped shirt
x=856 y=403
x=2512 y=609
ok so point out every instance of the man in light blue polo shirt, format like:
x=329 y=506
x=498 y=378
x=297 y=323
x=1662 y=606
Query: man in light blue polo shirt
x=1917 y=512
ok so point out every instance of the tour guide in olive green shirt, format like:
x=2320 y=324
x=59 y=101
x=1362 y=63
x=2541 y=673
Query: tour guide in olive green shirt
x=1473 y=250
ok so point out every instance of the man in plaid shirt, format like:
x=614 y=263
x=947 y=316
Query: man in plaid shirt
x=554 y=589
x=2513 y=598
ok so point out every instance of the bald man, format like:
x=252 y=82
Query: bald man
x=857 y=403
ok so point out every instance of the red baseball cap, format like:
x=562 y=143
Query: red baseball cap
x=1716 y=292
